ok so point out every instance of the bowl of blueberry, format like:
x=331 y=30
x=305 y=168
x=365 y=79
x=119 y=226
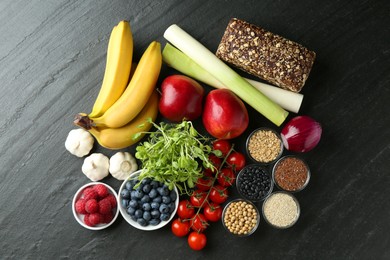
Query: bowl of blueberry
x=147 y=204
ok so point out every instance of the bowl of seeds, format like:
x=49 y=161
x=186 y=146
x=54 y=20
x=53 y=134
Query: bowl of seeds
x=281 y=210
x=240 y=217
x=264 y=145
x=291 y=173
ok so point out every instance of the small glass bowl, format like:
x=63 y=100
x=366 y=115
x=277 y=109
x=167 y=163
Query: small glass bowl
x=280 y=144
x=248 y=203
x=274 y=177
x=253 y=167
x=280 y=209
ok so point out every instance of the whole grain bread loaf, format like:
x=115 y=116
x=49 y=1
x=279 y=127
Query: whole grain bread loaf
x=268 y=56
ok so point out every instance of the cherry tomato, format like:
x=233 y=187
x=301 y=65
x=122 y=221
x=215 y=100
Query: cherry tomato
x=180 y=228
x=199 y=223
x=204 y=183
x=197 y=241
x=216 y=161
x=226 y=177
x=197 y=198
x=223 y=145
x=218 y=194
x=236 y=160
x=185 y=209
x=212 y=212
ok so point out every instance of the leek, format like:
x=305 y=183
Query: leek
x=176 y=59
x=227 y=76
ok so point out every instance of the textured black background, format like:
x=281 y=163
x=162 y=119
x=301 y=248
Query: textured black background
x=52 y=59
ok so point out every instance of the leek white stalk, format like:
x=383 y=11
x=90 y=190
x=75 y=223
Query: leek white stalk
x=227 y=76
x=178 y=60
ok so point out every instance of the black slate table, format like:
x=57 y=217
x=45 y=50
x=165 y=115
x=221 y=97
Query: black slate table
x=52 y=59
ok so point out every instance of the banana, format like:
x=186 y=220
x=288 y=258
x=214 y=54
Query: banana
x=137 y=93
x=118 y=66
x=118 y=138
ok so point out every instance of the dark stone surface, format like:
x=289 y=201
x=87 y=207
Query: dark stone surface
x=52 y=59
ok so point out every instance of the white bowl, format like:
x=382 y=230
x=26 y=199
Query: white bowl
x=79 y=217
x=127 y=217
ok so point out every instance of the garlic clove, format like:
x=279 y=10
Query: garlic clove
x=79 y=142
x=122 y=164
x=96 y=166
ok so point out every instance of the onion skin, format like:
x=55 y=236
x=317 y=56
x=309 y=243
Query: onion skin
x=301 y=134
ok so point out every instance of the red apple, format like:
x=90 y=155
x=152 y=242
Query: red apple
x=181 y=98
x=224 y=114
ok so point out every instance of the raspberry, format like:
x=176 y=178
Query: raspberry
x=86 y=220
x=80 y=206
x=92 y=206
x=107 y=218
x=104 y=206
x=112 y=200
x=90 y=193
x=101 y=190
x=95 y=218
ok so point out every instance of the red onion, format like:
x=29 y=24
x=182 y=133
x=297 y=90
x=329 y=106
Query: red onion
x=301 y=134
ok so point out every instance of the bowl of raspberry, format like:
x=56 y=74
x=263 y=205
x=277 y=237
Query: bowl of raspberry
x=95 y=206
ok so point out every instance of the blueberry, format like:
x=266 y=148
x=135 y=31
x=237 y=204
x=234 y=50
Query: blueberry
x=139 y=194
x=164 y=217
x=138 y=213
x=154 y=184
x=147 y=216
x=125 y=194
x=166 y=199
x=154 y=222
x=146 y=207
x=132 y=194
x=155 y=205
x=146 y=188
x=133 y=182
x=155 y=213
x=153 y=193
x=171 y=206
x=142 y=222
x=125 y=203
x=145 y=198
x=173 y=195
x=130 y=211
x=133 y=203
x=157 y=199
x=163 y=191
x=163 y=208
x=146 y=181
x=129 y=185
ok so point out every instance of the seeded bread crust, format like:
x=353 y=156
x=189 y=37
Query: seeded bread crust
x=268 y=56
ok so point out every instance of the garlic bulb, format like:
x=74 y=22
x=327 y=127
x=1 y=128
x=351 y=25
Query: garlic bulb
x=95 y=166
x=79 y=142
x=122 y=164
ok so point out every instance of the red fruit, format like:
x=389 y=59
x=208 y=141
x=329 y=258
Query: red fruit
x=197 y=241
x=216 y=161
x=204 y=183
x=224 y=114
x=236 y=160
x=107 y=218
x=181 y=98
x=226 y=177
x=185 y=209
x=213 y=212
x=101 y=190
x=198 y=198
x=199 y=223
x=80 y=206
x=223 y=146
x=112 y=200
x=90 y=193
x=218 y=194
x=95 y=218
x=86 y=220
x=92 y=206
x=180 y=228
x=104 y=206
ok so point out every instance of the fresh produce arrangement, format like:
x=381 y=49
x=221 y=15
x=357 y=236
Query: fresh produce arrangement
x=178 y=175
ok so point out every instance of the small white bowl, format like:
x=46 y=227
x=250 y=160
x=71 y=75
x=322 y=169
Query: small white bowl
x=80 y=217
x=127 y=217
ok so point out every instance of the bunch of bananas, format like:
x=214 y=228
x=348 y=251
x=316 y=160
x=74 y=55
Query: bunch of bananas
x=127 y=102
